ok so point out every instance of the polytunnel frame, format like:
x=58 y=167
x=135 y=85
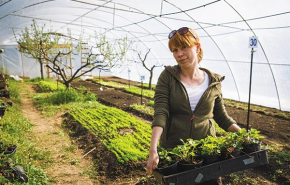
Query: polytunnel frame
x=122 y=27
x=277 y=92
x=154 y=16
x=262 y=50
x=71 y=22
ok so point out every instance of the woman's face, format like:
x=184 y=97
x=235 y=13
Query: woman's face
x=186 y=56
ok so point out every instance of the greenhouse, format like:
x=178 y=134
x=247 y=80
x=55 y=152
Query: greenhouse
x=224 y=27
x=63 y=41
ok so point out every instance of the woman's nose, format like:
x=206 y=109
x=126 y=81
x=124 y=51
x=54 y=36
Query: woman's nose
x=179 y=53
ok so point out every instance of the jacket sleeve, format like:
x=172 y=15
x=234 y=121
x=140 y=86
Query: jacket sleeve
x=161 y=100
x=220 y=114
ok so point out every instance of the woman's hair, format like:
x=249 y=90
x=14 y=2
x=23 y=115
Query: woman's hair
x=185 y=40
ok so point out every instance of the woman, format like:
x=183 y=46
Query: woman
x=187 y=98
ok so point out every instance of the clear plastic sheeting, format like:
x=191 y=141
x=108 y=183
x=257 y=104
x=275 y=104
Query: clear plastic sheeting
x=224 y=27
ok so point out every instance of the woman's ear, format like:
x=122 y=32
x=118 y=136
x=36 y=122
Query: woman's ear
x=197 y=47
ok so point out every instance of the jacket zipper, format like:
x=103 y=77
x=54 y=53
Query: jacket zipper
x=192 y=116
x=198 y=104
x=196 y=108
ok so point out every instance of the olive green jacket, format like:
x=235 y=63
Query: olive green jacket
x=173 y=112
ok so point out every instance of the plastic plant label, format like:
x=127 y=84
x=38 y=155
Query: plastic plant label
x=253 y=42
x=142 y=77
x=248 y=161
x=199 y=177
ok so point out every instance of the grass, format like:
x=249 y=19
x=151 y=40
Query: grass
x=51 y=86
x=14 y=90
x=146 y=86
x=16 y=130
x=111 y=84
x=132 y=89
x=143 y=108
x=138 y=91
x=64 y=100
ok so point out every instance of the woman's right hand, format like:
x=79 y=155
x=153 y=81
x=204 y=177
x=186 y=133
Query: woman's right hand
x=153 y=159
x=152 y=162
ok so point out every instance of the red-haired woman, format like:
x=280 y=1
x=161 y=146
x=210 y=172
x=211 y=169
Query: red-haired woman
x=188 y=99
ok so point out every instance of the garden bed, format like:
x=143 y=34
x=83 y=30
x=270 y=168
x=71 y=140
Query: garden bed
x=275 y=129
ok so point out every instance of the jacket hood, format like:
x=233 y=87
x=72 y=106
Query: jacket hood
x=213 y=77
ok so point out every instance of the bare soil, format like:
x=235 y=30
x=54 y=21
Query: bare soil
x=50 y=136
x=275 y=129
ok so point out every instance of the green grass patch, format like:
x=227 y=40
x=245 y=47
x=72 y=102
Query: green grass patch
x=136 y=90
x=143 y=108
x=47 y=86
x=16 y=130
x=63 y=97
x=111 y=84
x=14 y=90
x=38 y=79
x=125 y=136
x=150 y=103
x=146 y=86
x=132 y=89
x=49 y=103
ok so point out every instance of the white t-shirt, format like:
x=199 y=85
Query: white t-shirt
x=195 y=93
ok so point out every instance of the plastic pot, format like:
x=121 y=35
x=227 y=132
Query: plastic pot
x=183 y=166
x=228 y=155
x=2 y=111
x=11 y=150
x=253 y=147
x=172 y=169
x=210 y=159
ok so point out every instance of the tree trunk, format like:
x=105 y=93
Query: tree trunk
x=150 y=79
x=67 y=84
x=41 y=69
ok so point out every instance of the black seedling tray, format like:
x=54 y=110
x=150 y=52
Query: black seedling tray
x=214 y=170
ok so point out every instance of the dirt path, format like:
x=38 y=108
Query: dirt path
x=68 y=162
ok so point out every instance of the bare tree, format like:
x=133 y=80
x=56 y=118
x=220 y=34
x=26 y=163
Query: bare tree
x=57 y=49
x=104 y=55
x=143 y=62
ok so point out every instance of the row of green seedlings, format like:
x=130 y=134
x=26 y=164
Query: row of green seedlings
x=190 y=150
x=49 y=85
x=122 y=134
x=150 y=94
x=147 y=109
x=122 y=85
x=132 y=90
